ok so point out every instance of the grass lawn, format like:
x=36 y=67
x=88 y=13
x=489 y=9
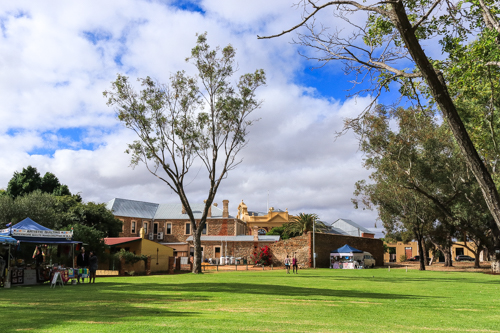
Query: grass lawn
x=321 y=300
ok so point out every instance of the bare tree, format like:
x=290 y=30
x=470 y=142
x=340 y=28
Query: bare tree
x=180 y=122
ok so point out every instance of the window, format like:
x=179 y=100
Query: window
x=122 y=223
x=262 y=232
x=204 y=231
x=132 y=227
x=155 y=228
x=188 y=228
x=191 y=251
x=145 y=226
x=169 y=229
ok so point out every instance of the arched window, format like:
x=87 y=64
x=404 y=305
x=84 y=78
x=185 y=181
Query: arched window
x=262 y=231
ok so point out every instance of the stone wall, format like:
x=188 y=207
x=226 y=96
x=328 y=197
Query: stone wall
x=298 y=246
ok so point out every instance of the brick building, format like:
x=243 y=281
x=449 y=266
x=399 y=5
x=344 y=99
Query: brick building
x=168 y=224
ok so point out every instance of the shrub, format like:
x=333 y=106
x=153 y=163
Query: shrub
x=129 y=257
x=403 y=258
x=263 y=257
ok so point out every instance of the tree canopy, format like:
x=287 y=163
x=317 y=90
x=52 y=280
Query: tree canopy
x=204 y=118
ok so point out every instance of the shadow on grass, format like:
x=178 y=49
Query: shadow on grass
x=262 y=289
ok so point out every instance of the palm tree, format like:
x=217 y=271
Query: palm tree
x=303 y=223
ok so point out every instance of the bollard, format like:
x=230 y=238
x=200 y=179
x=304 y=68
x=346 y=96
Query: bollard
x=406 y=269
x=236 y=266
x=247 y=265
x=217 y=267
x=262 y=267
x=389 y=268
x=271 y=266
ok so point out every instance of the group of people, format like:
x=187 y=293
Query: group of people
x=293 y=261
x=89 y=261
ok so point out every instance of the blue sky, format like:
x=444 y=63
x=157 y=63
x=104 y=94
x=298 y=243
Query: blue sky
x=58 y=58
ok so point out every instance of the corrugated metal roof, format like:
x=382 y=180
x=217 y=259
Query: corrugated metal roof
x=354 y=224
x=110 y=241
x=132 y=208
x=174 y=211
x=241 y=238
x=336 y=231
x=150 y=210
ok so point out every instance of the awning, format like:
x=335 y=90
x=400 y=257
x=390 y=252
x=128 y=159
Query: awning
x=346 y=249
x=7 y=240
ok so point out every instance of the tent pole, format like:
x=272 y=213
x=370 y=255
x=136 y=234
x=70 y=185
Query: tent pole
x=73 y=256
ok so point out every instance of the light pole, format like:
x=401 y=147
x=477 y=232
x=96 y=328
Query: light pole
x=314 y=242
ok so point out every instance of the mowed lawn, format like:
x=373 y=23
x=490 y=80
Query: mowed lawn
x=321 y=300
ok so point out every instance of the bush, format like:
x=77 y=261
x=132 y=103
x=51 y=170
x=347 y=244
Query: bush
x=403 y=258
x=263 y=257
x=129 y=257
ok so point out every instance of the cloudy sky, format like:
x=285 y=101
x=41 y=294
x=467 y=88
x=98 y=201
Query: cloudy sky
x=57 y=57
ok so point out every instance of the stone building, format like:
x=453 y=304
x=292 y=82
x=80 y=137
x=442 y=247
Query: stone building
x=264 y=222
x=168 y=224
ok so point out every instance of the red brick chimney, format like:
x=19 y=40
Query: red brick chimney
x=225 y=209
x=209 y=213
x=183 y=209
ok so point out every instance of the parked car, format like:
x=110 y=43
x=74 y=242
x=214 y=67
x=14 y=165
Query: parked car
x=417 y=258
x=368 y=260
x=464 y=258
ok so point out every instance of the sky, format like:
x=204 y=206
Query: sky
x=57 y=58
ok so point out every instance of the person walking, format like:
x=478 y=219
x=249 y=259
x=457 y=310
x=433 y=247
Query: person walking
x=92 y=266
x=287 y=264
x=82 y=261
x=295 y=267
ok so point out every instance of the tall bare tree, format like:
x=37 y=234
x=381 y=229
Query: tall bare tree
x=204 y=117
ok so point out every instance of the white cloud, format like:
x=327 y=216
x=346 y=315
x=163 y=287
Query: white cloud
x=57 y=59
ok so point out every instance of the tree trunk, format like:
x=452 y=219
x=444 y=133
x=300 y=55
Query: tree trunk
x=197 y=250
x=424 y=254
x=421 y=252
x=440 y=94
x=476 y=258
x=448 y=260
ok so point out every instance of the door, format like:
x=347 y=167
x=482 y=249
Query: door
x=408 y=252
x=217 y=252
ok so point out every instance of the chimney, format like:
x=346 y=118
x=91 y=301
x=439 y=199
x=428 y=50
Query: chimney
x=255 y=233
x=183 y=209
x=225 y=209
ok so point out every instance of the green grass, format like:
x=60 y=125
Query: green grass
x=321 y=300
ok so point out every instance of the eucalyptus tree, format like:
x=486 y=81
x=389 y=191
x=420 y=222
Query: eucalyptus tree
x=204 y=117
x=387 y=49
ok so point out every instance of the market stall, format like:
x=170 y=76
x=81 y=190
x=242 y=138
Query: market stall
x=346 y=257
x=4 y=260
x=39 y=271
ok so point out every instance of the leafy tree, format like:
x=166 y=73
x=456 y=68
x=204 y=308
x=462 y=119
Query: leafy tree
x=393 y=34
x=29 y=180
x=303 y=223
x=280 y=231
x=179 y=122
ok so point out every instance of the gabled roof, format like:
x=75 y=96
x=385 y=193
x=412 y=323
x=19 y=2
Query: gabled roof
x=132 y=208
x=347 y=249
x=353 y=224
x=150 y=210
x=174 y=211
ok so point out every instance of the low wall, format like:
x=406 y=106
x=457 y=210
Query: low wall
x=298 y=245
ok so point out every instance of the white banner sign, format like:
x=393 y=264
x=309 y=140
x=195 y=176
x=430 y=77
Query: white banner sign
x=40 y=233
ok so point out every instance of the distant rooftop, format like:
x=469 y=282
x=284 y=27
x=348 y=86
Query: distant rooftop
x=150 y=210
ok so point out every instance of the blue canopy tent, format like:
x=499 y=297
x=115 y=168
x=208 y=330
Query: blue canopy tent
x=31 y=232
x=347 y=253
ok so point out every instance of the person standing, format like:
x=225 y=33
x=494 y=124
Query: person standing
x=287 y=264
x=92 y=266
x=82 y=261
x=295 y=267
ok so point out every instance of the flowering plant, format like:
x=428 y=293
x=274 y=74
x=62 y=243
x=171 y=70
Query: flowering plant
x=263 y=256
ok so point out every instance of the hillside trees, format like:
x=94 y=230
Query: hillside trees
x=387 y=50
x=204 y=118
